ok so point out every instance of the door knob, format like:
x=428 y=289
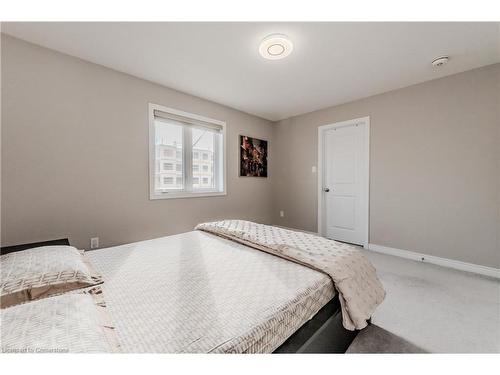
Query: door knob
x=326 y=190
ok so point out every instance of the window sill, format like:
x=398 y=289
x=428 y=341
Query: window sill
x=155 y=196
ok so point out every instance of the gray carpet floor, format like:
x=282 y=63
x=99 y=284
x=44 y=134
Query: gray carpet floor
x=436 y=309
x=374 y=339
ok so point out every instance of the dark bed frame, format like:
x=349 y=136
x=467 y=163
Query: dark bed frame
x=324 y=333
x=12 y=249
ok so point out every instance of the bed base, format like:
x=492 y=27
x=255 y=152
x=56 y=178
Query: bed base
x=324 y=333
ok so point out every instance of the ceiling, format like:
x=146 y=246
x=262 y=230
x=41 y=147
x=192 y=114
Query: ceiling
x=331 y=63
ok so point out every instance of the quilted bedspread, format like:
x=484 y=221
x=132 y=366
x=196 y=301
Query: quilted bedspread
x=360 y=290
x=197 y=292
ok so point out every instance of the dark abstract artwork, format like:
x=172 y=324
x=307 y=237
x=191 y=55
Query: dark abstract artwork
x=253 y=157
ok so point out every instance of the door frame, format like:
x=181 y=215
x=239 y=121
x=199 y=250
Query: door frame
x=321 y=211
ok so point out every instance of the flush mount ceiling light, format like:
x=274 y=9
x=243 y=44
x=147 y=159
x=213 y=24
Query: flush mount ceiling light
x=275 y=47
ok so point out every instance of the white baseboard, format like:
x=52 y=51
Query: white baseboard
x=444 y=262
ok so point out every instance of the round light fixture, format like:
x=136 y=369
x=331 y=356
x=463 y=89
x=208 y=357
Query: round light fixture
x=275 y=47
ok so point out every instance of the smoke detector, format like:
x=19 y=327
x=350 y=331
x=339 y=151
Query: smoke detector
x=440 y=61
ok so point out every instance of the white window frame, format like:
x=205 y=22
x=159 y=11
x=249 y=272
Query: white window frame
x=187 y=157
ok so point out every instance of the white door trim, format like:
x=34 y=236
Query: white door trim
x=321 y=131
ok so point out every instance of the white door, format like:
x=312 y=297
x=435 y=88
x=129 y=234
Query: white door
x=345 y=182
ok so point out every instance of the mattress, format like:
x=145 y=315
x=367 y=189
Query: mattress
x=199 y=293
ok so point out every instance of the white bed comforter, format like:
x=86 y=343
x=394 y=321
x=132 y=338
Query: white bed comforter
x=354 y=277
x=199 y=293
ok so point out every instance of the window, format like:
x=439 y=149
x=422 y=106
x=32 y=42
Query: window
x=186 y=136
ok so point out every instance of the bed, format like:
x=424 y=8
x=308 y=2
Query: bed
x=198 y=292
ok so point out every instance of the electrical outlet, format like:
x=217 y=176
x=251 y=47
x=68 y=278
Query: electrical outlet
x=282 y=213
x=313 y=169
x=94 y=242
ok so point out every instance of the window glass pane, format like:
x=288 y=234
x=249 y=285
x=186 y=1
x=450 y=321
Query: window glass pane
x=174 y=143
x=168 y=152
x=204 y=145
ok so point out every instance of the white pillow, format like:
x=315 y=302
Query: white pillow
x=43 y=271
x=68 y=323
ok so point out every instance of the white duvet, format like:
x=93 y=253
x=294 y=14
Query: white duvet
x=199 y=293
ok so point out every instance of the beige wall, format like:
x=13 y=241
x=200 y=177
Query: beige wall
x=434 y=166
x=75 y=159
x=75 y=154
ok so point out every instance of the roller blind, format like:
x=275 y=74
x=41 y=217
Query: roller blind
x=170 y=117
